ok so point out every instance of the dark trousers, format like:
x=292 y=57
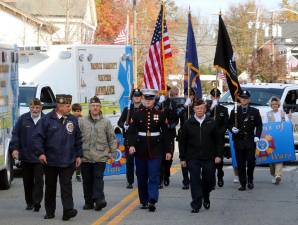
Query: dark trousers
x=246 y=161
x=93 y=184
x=185 y=172
x=219 y=168
x=202 y=180
x=165 y=167
x=130 y=167
x=148 y=172
x=33 y=182
x=65 y=175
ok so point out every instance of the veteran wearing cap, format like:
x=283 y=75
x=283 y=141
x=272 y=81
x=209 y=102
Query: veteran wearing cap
x=221 y=116
x=99 y=144
x=246 y=125
x=58 y=144
x=148 y=139
x=134 y=105
x=21 y=149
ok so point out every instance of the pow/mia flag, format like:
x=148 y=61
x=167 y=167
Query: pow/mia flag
x=225 y=60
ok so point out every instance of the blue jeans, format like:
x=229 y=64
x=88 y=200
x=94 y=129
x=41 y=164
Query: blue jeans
x=148 y=173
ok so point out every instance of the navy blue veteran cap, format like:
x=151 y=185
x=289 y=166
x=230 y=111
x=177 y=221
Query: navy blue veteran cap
x=215 y=92
x=149 y=94
x=63 y=99
x=94 y=99
x=244 y=94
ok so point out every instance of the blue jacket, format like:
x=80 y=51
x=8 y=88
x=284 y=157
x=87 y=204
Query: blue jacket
x=61 y=142
x=22 y=138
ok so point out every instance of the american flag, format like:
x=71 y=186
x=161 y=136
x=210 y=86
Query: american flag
x=121 y=39
x=154 y=74
x=221 y=76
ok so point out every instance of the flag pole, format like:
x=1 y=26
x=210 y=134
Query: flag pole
x=127 y=29
x=135 y=57
x=162 y=47
x=188 y=87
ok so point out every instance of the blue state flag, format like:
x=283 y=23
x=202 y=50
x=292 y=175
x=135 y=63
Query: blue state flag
x=191 y=60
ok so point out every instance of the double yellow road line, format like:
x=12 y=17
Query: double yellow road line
x=130 y=201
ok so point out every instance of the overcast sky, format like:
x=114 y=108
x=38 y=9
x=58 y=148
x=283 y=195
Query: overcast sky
x=209 y=7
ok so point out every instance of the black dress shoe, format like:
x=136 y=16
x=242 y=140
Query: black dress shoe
x=29 y=207
x=36 y=208
x=79 y=179
x=49 y=216
x=129 y=186
x=151 y=207
x=195 y=211
x=206 y=202
x=160 y=186
x=250 y=186
x=166 y=182
x=185 y=187
x=69 y=214
x=144 y=206
x=242 y=188
x=88 y=206
x=220 y=182
x=100 y=205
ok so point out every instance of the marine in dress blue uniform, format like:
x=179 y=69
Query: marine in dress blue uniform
x=148 y=139
x=58 y=143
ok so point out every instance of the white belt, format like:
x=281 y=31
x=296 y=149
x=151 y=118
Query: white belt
x=149 y=134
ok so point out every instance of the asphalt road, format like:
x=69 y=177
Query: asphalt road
x=266 y=204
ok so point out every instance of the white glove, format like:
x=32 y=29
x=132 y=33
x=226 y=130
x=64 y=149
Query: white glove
x=256 y=139
x=235 y=130
x=214 y=103
x=187 y=102
x=162 y=98
x=126 y=126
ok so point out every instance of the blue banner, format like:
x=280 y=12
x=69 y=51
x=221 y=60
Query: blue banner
x=118 y=165
x=276 y=144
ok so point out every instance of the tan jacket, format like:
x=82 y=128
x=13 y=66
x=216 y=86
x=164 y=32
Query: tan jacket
x=98 y=138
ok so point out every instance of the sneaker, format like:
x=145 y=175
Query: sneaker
x=273 y=181
x=278 y=180
x=236 y=179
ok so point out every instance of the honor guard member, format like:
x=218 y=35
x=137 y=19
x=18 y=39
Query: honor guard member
x=99 y=143
x=169 y=107
x=201 y=149
x=246 y=127
x=221 y=116
x=22 y=149
x=123 y=123
x=58 y=144
x=149 y=140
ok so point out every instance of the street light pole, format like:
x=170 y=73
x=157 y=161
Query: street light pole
x=135 y=57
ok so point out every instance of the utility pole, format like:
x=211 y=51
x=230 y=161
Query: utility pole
x=272 y=47
x=66 y=36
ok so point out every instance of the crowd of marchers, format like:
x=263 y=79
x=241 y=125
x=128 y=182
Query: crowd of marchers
x=63 y=142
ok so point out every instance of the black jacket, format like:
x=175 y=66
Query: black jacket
x=123 y=118
x=22 y=138
x=200 y=141
x=249 y=124
x=60 y=141
x=221 y=117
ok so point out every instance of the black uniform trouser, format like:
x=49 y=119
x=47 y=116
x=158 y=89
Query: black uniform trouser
x=219 y=168
x=130 y=167
x=185 y=172
x=202 y=180
x=246 y=161
x=165 y=167
x=93 y=184
x=33 y=182
x=65 y=175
